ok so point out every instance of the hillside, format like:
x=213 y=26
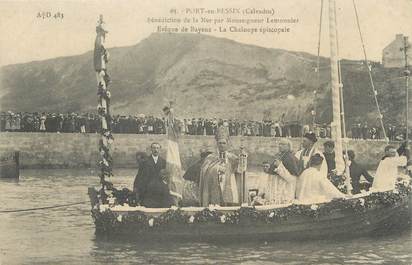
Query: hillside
x=206 y=76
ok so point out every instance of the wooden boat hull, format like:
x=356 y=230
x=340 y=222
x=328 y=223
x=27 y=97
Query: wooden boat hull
x=9 y=165
x=337 y=224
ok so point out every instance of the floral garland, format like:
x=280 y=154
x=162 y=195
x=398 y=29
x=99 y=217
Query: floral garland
x=338 y=181
x=105 y=161
x=106 y=220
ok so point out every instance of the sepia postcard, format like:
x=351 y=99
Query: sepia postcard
x=205 y=132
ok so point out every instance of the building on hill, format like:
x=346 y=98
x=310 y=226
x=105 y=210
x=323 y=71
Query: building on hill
x=393 y=56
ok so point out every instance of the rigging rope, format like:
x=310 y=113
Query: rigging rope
x=42 y=208
x=375 y=92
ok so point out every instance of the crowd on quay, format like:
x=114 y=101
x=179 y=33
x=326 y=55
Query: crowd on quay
x=361 y=130
x=142 y=124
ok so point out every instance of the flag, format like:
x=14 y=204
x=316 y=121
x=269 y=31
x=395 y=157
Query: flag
x=173 y=163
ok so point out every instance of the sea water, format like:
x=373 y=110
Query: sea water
x=66 y=235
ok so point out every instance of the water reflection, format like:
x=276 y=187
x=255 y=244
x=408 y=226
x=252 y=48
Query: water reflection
x=361 y=251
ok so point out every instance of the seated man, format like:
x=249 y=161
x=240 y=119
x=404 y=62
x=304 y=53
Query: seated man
x=263 y=189
x=149 y=185
x=388 y=172
x=313 y=186
x=276 y=186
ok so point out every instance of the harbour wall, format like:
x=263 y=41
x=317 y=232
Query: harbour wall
x=75 y=150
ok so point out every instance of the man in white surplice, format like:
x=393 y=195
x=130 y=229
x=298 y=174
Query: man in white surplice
x=276 y=186
x=313 y=186
x=388 y=172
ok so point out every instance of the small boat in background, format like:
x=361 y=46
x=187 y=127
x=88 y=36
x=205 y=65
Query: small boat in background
x=9 y=165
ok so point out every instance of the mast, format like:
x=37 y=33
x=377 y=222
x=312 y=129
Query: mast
x=406 y=74
x=336 y=129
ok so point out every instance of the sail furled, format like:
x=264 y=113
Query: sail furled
x=173 y=164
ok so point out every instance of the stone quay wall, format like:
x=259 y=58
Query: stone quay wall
x=75 y=150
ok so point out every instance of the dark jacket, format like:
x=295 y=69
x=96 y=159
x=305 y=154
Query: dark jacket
x=289 y=161
x=151 y=190
x=356 y=171
x=330 y=161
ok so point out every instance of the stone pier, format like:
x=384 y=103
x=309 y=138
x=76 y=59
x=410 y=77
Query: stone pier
x=75 y=150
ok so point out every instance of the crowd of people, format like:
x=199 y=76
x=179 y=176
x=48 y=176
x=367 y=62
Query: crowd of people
x=142 y=124
x=361 y=130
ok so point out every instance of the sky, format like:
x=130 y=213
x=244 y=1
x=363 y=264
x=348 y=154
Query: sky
x=26 y=37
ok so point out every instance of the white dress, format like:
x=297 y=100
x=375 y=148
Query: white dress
x=387 y=173
x=313 y=187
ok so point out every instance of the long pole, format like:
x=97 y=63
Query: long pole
x=406 y=73
x=336 y=124
x=317 y=67
x=346 y=173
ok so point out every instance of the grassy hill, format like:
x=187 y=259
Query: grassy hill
x=206 y=76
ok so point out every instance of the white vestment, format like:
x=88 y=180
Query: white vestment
x=278 y=189
x=314 y=187
x=387 y=173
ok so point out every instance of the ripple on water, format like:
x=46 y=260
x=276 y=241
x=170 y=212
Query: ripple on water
x=66 y=236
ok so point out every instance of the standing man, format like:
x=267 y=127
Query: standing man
x=149 y=185
x=329 y=154
x=219 y=176
x=308 y=150
x=356 y=171
x=286 y=157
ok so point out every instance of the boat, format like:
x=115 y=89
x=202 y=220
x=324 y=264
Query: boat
x=116 y=214
x=9 y=165
x=370 y=214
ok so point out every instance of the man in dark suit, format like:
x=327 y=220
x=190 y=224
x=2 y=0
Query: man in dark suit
x=149 y=185
x=356 y=171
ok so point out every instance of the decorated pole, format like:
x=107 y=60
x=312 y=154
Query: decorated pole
x=103 y=108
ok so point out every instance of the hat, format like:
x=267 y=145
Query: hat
x=311 y=136
x=222 y=133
